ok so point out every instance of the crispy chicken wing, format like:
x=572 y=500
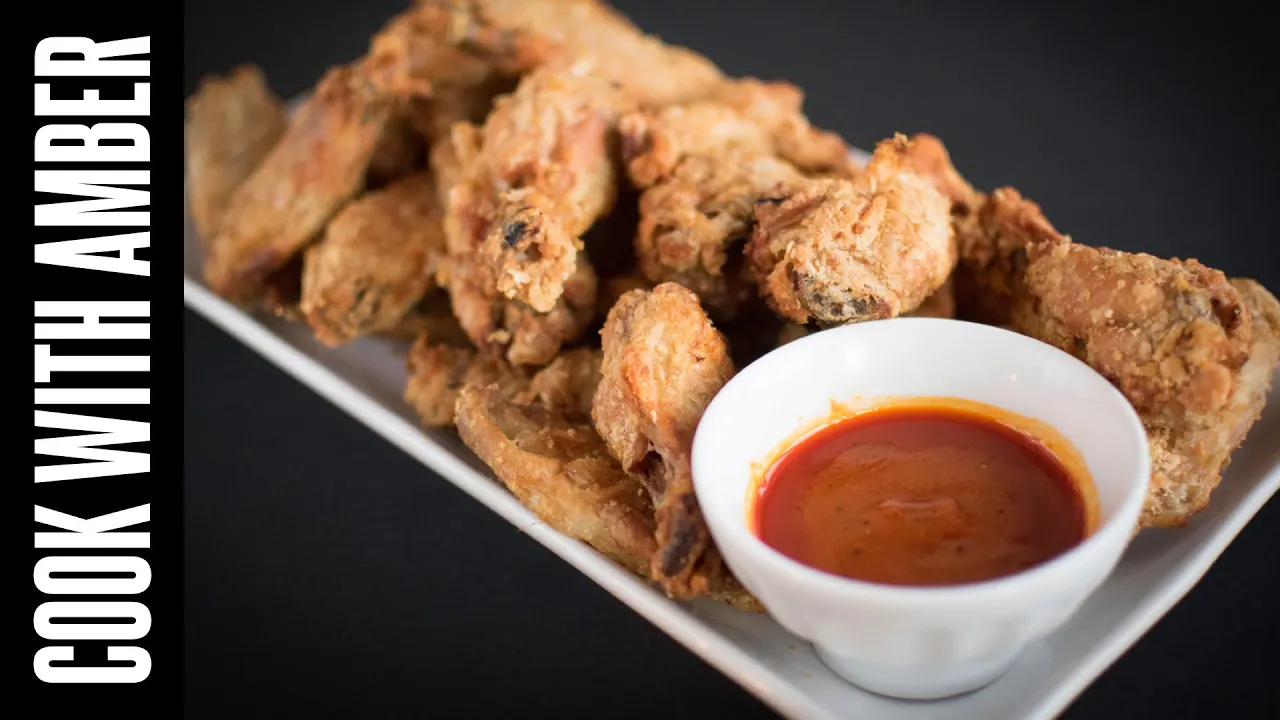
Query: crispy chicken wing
x=519 y=35
x=663 y=363
x=569 y=383
x=993 y=241
x=232 y=123
x=543 y=174
x=748 y=115
x=695 y=222
x=523 y=335
x=317 y=165
x=839 y=251
x=440 y=370
x=702 y=168
x=377 y=259
x=562 y=471
x=1190 y=351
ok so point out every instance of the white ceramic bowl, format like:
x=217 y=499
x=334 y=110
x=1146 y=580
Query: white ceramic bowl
x=918 y=642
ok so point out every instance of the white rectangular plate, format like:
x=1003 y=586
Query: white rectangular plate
x=366 y=379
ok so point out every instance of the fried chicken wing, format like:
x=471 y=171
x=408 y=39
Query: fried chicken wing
x=569 y=383
x=520 y=333
x=376 y=261
x=747 y=115
x=703 y=167
x=1191 y=351
x=663 y=363
x=839 y=251
x=544 y=173
x=562 y=471
x=318 y=164
x=439 y=371
x=695 y=222
x=232 y=123
x=992 y=242
x=520 y=35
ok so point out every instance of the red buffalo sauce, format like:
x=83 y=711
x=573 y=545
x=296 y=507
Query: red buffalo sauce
x=927 y=493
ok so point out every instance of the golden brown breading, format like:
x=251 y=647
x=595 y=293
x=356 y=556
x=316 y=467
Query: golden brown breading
x=376 y=261
x=663 y=363
x=568 y=384
x=992 y=242
x=929 y=158
x=232 y=123
x=543 y=174
x=1178 y=340
x=1187 y=462
x=695 y=222
x=448 y=159
x=747 y=115
x=703 y=167
x=406 y=57
x=562 y=471
x=840 y=251
x=316 y=166
x=520 y=35
x=523 y=335
x=439 y=371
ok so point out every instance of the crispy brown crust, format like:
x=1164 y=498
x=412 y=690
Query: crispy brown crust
x=663 y=362
x=317 y=165
x=376 y=261
x=839 y=251
x=232 y=122
x=520 y=35
x=561 y=471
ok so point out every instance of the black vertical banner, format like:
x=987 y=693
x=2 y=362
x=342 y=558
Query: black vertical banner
x=105 y=616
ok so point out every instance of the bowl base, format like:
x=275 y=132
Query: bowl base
x=918 y=683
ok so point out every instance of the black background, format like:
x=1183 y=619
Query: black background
x=329 y=574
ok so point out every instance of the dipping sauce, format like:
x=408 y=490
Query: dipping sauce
x=921 y=494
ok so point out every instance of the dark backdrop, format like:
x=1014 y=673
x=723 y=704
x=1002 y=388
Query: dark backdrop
x=330 y=575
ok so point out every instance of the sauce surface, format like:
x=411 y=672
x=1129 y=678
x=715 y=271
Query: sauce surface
x=920 y=495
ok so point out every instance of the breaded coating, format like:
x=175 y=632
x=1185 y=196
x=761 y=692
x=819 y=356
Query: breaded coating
x=663 y=363
x=448 y=159
x=1180 y=342
x=747 y=115
x=992 y=242
x=704 y=166
x=840 y=251
x=520 y=35
x=316 y=166
x=232 y=123
x=543 y=174
x=439 y=371
x=376 y=261
x=1191 y=351
x=562 y=471
x=695 y=222
x=568 y=384
x=929 y=158
x=509 y=327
